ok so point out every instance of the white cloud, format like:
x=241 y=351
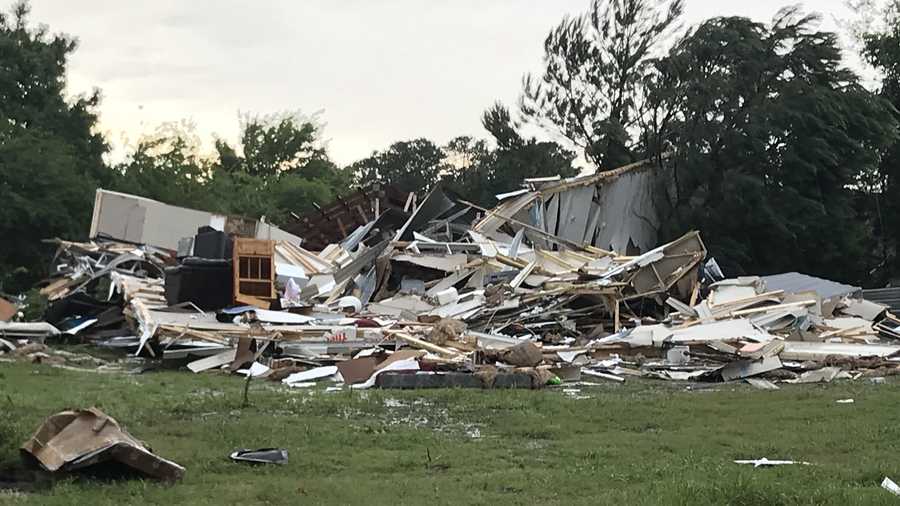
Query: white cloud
x=382 y=70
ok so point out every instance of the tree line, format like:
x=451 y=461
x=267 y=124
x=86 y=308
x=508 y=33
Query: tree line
x=777 y=151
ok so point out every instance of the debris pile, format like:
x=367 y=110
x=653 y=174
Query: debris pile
x=449 y=294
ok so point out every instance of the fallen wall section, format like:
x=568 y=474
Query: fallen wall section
x=141 y=220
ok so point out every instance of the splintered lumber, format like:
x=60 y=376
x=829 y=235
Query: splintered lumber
x=425 y=345
x=57 y=286
x=852 y=331
x=766 y=309
x=536 y=230
x=196 y=334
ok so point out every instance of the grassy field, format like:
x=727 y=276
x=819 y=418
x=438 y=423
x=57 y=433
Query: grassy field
x=638 y=443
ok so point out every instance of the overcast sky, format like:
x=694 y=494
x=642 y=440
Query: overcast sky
x=378 y=70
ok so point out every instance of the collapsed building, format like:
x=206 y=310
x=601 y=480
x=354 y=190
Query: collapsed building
x=562 y=281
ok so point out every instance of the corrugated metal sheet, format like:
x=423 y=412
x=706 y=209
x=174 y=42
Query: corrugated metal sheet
x=890 y=297
x=794 y=282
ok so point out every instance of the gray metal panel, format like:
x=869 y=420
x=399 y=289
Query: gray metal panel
x=591 y=231
x=538 y=219
x=121 y=218
x=627 y=211
x=794 y=282
x=551 y=215
x=565 y=203
x=573 y=222
x=890 y=297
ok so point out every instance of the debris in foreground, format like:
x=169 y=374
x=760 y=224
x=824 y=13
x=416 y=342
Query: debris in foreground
x=764 y=462
x=889 y=485
x=78 y=439
x=261 y=456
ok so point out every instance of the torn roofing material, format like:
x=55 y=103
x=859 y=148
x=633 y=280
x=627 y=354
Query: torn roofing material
x=889 y=297
x=795 y=282
x=610 y=210
x=76 y=439
x=334 y=221
x=435 y=204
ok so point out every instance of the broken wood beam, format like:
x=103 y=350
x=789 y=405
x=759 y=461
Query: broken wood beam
x=555 y=238
x=424 y=345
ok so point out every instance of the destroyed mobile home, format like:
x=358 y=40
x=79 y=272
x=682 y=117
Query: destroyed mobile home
x=537 y=291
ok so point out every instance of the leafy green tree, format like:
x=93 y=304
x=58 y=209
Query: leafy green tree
x=881 y=48
x=413 y=166
x=273 y=144
x=50 y=153
x=168 y=167
x=278 y=172
x=481 y=173
x=296 y=195
x=281 y=170
x=772 y=133
x=594 y=65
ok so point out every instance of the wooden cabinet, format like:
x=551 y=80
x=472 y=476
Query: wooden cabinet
x=254 y=272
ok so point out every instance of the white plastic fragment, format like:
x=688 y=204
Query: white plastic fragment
x=312 y=374
x=366 y=352
x=889 y=485
x=598 y=374
x=349 y=301
x=410 y=364
x=256 y=369
x=764 y=462
x=448 y=296
x=302 y=384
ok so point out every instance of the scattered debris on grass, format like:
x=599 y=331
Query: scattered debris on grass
x=764 y=462
x=889 y=485
x=261 y=456
x=84 y=438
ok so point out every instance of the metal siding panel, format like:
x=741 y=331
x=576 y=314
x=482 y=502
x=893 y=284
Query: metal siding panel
x=575 y=219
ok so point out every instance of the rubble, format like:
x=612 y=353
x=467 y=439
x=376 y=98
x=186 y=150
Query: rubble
x=544 y=288
x=84 y=438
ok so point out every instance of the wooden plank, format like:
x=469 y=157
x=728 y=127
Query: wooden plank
x=748 y=300
x=695 y=293
x=766 y=309
x=418 y=343
x=618 y=323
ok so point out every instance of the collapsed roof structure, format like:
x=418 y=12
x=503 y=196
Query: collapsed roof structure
x=562 y=280
x=611 y=210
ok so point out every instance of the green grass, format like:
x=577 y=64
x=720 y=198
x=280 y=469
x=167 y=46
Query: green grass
x=639 y=443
